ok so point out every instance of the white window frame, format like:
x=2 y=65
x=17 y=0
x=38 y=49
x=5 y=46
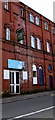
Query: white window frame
x=34 y=78
x=6 y=4
x=7 y=33
x=46 y=25
x=38 y=44
x=31 y=18
x=48 y=47
x=32 y=41
x=37 y=21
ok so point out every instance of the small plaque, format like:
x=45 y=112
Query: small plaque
x=25 y=75
x=6 y=74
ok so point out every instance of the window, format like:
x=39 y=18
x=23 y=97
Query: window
x=7 y=33
x=46 y=25
x=6 y=4
x=49 y=67
x=37 y=20
x=38 y=44
x=22 y=12
x=32 y=41
x=48 y=46
x=41 y=75
x=53 y=30
x=31 y=18
x=34 y=69
x=20 y=36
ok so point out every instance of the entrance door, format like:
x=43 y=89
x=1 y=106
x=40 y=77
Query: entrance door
x=14 y=82
x=51 y=81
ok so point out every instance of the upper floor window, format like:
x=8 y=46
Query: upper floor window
x=31 y=18
x=20 y=36
x=7 y=33
x=37 y=20
x=33 y=41
x=46 y=25
x=53 y=30
x=6 y=4
x=22 y=12
x=38 y=44
x=48 y=46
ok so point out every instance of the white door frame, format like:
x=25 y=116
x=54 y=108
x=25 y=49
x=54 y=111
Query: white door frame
x=15 y=82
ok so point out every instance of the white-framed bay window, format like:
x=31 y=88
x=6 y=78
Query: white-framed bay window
x=7 y=33
x=32 y=41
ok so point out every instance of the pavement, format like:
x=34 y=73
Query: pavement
x=24 y=97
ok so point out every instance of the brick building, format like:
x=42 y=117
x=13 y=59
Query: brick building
x=27 y=41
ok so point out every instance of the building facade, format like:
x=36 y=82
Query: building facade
x=28 y=49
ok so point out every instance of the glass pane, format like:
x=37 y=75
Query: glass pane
x=12 y=89
x=41 y=76
x=31 y=18
x=35 y=80
x=32 y=42
x=17 y=89
x=17 y=78
x=38 y=44
x=37 y=20
x=34 y=73
x=22 y=12
x=49 y=67
x=12 y=78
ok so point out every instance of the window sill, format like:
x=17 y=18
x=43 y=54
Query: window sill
x=7 y=10
x=23 y=18
x=46 y=30
x=35 y=24
x=38 y=84
x=50 y=71
x=53 y=33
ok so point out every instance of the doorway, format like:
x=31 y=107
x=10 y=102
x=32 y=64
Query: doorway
x=51 y=81
x=14 y=82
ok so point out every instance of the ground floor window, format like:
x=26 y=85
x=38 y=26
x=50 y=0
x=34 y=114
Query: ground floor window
x=34 y=69
x=38 y=77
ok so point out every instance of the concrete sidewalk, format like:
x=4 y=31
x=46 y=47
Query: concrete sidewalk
x=24 y=97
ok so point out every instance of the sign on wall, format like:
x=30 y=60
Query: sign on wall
x=25 y=75
x=20 y=34
x=14 y=64
x=6 y=74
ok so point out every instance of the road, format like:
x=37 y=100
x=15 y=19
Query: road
x=34 y=107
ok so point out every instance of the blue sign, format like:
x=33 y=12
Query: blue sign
x=14 y=64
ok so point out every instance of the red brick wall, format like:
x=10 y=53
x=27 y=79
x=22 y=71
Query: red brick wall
x=13 y=50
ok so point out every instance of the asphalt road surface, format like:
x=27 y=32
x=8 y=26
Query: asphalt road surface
x=33 y=108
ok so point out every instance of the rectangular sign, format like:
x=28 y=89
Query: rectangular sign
x=6 y=74
x=25 y=75
x=16 y=64
x=20 y=34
